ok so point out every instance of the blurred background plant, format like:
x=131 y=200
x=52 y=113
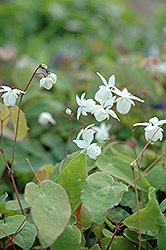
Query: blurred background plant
x=77 y=39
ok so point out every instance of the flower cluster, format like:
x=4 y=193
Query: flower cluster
x=105 y=97
x=93 y=150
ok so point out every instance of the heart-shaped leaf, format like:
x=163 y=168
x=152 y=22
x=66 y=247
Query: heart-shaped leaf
x=50 y=208
x=11 y=224
x=26 y=236
x=100 y=193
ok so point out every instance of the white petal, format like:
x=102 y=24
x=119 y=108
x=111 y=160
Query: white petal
x=81 y=143
x=136 y=98
x=161 y=122
x=79 y=112
x=153 y=133
x=102 y=78
x=93 y=151
x=123 y=105
x=5 y=88
x=141 y=123
x=111 y=81
x=103 y=94
x=113 y=114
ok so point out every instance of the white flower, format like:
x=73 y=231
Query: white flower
x=45 y=117
x=152 y=131
x=47 y=82
x=104 y=92
x=93 y=150
x=84 y=105
x=125 y=101
x=102 y=131
x=11 y=95
x=102 y=112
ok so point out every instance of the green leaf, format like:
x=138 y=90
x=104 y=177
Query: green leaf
x=4 y=112
x=156 y=176
x=161 y=239
x=151 y=217
x=26 y=236
x=100 y=193
x=86 y=217
x=72 y=178
x=68 y=240
x=57 y=170
x=22 y=126
x=14 y=205
x=3 y=197
x=163 y=205
x=47 y=201
x=121 y=243
x=120 y=169
x=11 y=224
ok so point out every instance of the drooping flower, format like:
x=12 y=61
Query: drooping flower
x=104 y=91
x=102 y=131
x=152 y=131
x=49 y=81
x=102 y=111
x=11 y=95
x=45 y=117
x=93 y=150
x=125 y=100
x=85 y=106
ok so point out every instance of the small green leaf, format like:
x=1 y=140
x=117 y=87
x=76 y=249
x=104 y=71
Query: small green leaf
x=26 y=236
x=3 y=197
x=121 y=243
x=11 y=224
x=14 y=205
x=72 y=178
x=151 y=217
x=50 y=202
x=22 y=126
x=100 y=193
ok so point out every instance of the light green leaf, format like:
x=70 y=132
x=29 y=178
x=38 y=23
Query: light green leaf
x=68 y=240
x=14 y=205
x=22 y=126
x=3 y=197
x=100 y=193
x=86 y=217
x=95 y=247
x=11 y=224
x=72 y=178
x=161 y=239
x=4 y=112
x=120 y=169
x=151 y=217
x=26 y=236
x=120 y=243
x=50 y=209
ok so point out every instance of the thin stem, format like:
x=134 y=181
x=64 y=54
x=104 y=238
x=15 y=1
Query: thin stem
x=116 y=229
x=16 y=191
x=102 y=225
x=18 y=116
x=114 y=216
x=2 y=134
x=153 y=163
x=136 y=194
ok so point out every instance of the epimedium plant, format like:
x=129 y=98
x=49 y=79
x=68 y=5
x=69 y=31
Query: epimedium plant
x=77 y=206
